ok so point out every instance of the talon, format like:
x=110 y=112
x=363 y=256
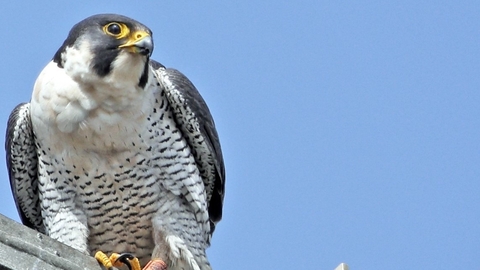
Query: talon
x=118 y=260
x=155 y=264
x=129 y=260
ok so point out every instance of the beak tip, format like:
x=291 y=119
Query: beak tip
x=142 y=46
x=145 y=51
x=145 y=46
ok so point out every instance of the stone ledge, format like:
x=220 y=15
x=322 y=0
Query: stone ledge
x=22 y=248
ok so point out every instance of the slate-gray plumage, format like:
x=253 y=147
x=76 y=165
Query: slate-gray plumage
x=115 y=152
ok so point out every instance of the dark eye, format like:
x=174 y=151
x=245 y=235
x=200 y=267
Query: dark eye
x=114 y=29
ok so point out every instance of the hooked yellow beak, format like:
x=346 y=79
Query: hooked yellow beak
x=139 y=42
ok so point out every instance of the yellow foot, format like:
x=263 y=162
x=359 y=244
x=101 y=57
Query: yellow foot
x=155 y=264
x=118 y=260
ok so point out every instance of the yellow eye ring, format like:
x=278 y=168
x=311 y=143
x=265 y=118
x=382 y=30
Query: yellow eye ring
x=117 y=30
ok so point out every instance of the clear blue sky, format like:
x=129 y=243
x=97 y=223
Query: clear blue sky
x=350 y=129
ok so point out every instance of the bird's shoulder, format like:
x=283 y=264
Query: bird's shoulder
x=21 y=157
x=194 y=119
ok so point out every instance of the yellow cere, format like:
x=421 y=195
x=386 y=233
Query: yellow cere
x=139 y=35
x=134 y=38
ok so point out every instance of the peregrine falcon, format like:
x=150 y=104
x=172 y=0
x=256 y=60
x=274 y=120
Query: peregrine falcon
x=117 y=154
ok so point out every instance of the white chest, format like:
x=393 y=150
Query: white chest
x=111 y=172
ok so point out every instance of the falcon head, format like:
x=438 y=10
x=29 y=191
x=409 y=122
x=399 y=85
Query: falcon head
x=106 y=45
